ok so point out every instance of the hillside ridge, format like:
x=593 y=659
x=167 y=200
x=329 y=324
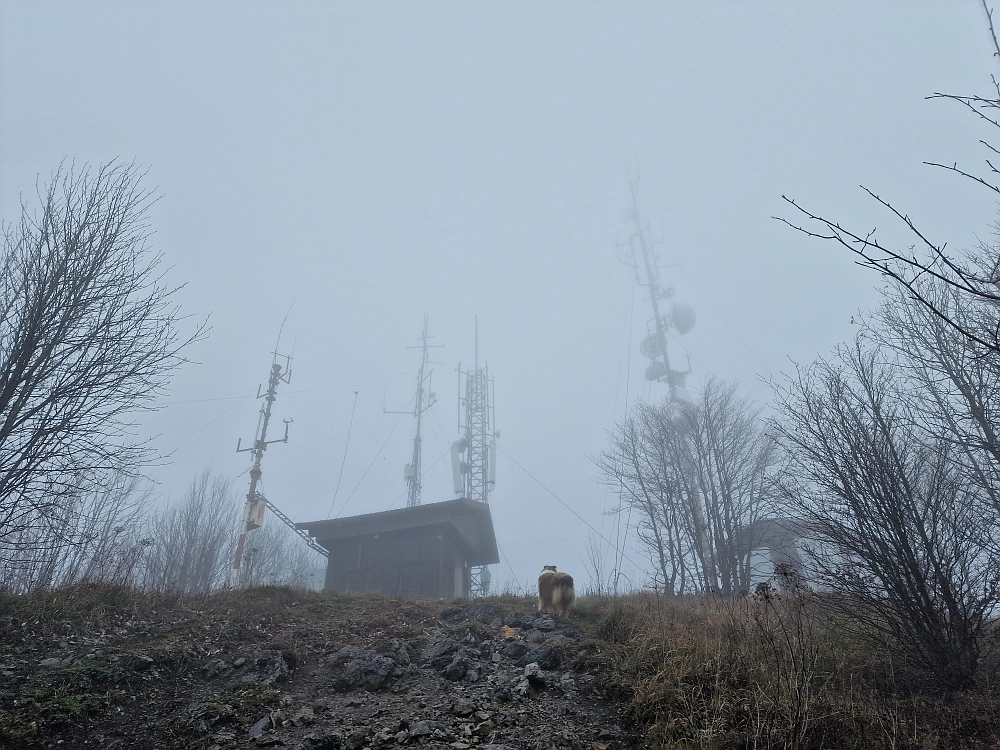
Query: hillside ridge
x=276 y=667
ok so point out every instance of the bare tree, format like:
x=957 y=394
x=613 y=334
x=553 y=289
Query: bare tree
x=973 y=276
x=88 y=335
x=732 y=456
x=698 y=476
x=276 y=556
x=193 y=541
x=635 y=468
x=901 y=536
x=97 y=537
x=958 y=379
x=595 y=563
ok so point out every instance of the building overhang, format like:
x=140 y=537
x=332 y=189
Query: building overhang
x=470 y=520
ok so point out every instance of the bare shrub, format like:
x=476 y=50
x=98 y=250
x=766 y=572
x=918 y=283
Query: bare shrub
x=770 y=670
x=276 y=556
x=95 y=538
x=903 y=538
x=957 y=380
x=595 y=564
x=194 y=540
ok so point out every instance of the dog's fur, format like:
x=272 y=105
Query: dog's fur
x=555 y=591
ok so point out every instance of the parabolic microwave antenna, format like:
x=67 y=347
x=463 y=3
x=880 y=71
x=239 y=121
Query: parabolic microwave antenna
x=683 y=317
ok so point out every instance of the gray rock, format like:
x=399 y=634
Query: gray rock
x=462 y=707
x=533 y=674
x=398 y=652
x=259 y=728
x=514 y=650
x=471 y=676
x=355 y=740
x=267 y=668
x=456 y=670
x=141 y=662
x=453 y=614
x=325 y=740
x=440 y=654
x=503 y=694
x=545 y=656
x=420 y=729
x=214 y=668
x=360 y=669
x=544 y=623
x=518 y=619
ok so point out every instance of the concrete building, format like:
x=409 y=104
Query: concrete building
x=420 y=551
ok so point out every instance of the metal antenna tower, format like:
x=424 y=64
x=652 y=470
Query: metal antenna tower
x=680 y=316
x=475 y=477
x=253 y=513
x=425 y=399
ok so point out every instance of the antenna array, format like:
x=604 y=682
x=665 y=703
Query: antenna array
x=475 y=477
x=680 y=316
x=257 y=504
x=424 y=400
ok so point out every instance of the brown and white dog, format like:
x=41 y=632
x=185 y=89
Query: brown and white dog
x=555 y=591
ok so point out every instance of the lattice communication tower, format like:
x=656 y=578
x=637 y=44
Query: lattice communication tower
x=474 y=454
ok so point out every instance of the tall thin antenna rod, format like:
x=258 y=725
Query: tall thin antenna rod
x=424 y=400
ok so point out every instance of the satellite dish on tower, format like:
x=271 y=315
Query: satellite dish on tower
x=683 y=317
x=655 y=370
x=651 y=346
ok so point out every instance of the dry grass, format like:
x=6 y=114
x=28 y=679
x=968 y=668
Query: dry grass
x=769 y=671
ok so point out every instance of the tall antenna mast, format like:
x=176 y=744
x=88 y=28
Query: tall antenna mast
x=475 y=477
x=680 y=317
x=257 y=504
x=425 y=399
x=253 y=513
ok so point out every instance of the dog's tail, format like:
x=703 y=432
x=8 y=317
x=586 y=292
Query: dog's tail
x=563 y=593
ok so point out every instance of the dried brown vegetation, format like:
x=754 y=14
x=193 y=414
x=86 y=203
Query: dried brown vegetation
x=772 y=671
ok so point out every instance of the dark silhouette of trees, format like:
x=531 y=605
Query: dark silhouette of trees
x=698 y=475
x=89 y=335
x=898 y=532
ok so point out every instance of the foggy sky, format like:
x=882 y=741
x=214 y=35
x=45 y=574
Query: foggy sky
x=372 y=163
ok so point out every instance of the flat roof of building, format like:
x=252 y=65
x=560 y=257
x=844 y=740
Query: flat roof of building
x=470 y=519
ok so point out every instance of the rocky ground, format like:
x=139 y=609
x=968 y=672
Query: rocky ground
x=287 y=669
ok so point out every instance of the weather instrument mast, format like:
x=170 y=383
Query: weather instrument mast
x=424 y=400
x=256 y=504
x=475 y=476
x=680 y=316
